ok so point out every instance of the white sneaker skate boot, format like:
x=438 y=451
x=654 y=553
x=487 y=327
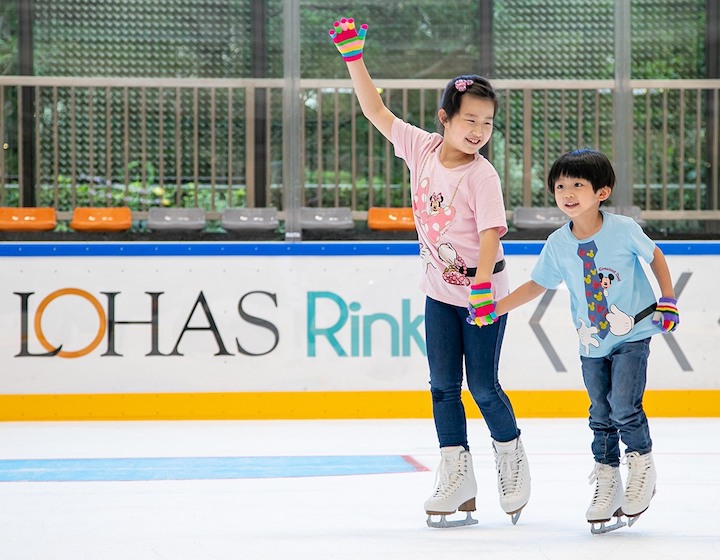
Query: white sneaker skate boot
x=455 y=489
x=640 y=485
x=513 y=472
x=607 y=499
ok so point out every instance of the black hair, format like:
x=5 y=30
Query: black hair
x=452 y=96
x=587 y=164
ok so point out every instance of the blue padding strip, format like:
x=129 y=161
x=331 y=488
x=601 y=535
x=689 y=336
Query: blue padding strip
x=667 y=247
x=198 y=468
x=270 y=249
x=204 y=249
x=685 y=248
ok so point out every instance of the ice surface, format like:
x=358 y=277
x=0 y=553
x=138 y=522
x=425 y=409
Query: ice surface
x=356 y=516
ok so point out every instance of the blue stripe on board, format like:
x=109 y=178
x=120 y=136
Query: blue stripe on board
x=690 y=248
x=204 y=249
x=275 y=249
x=199 y=468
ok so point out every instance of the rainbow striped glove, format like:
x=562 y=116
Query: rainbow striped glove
x=666 y=314
x=481 y=310
x=348 y=40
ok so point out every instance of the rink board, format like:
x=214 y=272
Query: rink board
x=304 y=330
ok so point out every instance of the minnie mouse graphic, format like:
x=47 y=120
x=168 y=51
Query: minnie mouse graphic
x=434 y=218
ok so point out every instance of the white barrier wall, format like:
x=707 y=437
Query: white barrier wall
x=246 y=318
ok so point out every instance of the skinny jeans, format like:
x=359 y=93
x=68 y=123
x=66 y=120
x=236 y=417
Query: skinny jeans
x=451 y=343
x=616 y=385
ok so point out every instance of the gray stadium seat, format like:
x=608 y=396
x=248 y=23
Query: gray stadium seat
x=539 y=218
x=326 y=218
x=235 y=219
x=631 y=211
x=176 y=219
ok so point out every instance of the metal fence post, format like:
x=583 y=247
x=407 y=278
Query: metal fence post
x=623 y=109
x=291 y=141
x=26 y=115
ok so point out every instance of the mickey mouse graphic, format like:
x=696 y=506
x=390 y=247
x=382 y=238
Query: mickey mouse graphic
x=605 y=281
x=620 y=322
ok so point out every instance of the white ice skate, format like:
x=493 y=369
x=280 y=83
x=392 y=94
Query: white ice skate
x=640 y=485
x=607 y=500
x=455 y=489
x=513 y=472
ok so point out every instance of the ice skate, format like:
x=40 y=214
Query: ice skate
x=640 y=485
x=455 y=489
x=513 y=473
x=607 y=499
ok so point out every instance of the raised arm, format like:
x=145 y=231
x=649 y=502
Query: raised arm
x=350 y=42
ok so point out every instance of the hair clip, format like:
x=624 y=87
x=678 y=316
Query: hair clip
x=462 y=84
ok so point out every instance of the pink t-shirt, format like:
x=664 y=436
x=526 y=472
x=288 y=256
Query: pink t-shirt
x=451 y=207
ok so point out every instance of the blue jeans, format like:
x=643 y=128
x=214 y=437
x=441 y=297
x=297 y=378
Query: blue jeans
x=616 y=384
x=450 y=339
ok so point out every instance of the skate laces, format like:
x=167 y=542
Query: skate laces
x=509 y=472
x=604 y=475
x=449 y=475
x=638 y=469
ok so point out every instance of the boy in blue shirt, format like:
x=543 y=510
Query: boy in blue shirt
x=613 y=307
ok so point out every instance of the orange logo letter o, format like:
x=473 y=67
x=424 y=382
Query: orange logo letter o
x=70 y=292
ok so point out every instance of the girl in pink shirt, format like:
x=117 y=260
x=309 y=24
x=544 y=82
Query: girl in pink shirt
x=460 y=217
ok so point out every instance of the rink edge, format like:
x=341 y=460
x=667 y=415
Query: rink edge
x=322 y=405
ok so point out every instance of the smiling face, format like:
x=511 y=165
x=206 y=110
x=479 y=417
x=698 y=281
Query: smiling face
x=470 y=129
x=576 y=197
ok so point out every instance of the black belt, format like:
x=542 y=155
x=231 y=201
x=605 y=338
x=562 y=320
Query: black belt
x=645 y=312
x=499 y=267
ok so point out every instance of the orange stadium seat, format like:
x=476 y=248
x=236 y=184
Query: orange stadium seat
x=101 y=219
x=391 y=219
x=32 y=218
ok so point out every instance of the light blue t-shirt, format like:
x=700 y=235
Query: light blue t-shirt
x=607 y=283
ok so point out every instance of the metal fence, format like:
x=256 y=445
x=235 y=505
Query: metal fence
x=196 y=143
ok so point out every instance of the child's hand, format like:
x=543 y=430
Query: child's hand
x=481 y=310
x=348 y=40
x=666 y=314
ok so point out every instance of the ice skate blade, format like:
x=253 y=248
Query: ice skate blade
x=444 y=523
x=599 y=527
x=515 y=516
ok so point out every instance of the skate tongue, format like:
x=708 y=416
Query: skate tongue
x=453 y=451
x=505 y=446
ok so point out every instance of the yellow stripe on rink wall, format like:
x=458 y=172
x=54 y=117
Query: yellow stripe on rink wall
x=322 y=405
